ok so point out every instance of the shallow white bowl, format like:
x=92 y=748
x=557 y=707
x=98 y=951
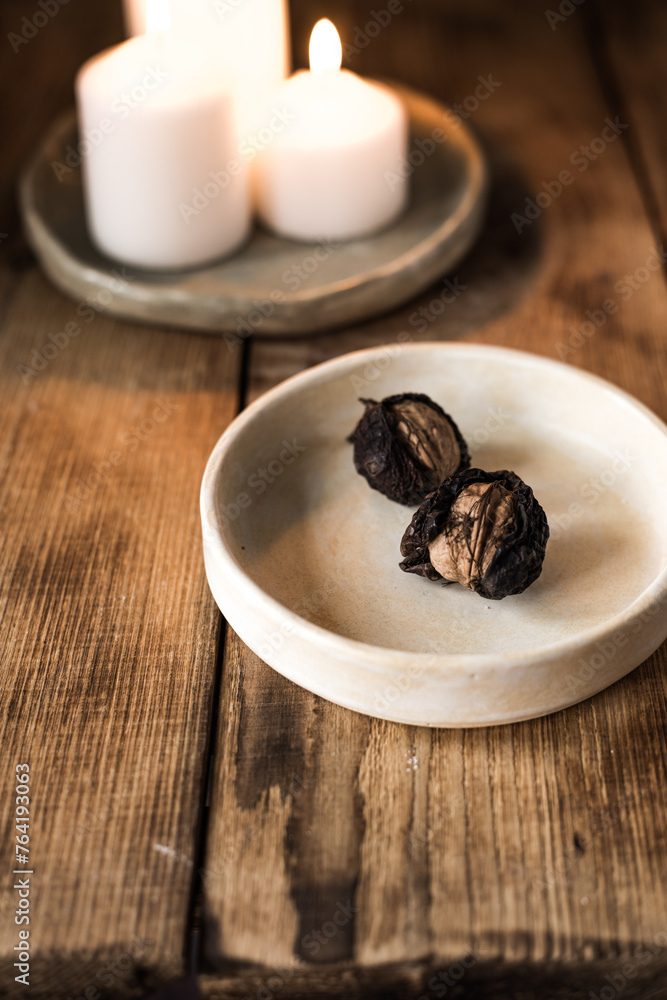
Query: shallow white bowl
x=302 y=557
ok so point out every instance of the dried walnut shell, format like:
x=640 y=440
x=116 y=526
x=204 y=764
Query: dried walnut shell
x=405 y=445
x=484 y=530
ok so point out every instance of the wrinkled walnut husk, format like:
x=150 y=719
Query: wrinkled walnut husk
x=405 y=445
x=518 y=544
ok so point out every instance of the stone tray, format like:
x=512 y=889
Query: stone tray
x=356 y=281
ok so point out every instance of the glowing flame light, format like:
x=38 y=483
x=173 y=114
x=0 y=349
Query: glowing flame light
x=158 y=15
x=326 y=51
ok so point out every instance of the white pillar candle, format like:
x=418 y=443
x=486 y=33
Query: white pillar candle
x=164 y=184
x=248 y=40
x=324 y=175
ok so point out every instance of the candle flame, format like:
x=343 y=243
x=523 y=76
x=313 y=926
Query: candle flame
x=158 y=15
x=326 y=51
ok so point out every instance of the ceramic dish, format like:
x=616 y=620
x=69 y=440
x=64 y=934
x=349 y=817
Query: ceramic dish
x=273 y=286
x=302 y=557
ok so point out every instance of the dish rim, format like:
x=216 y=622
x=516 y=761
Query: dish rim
x=72 y=272
x=376 y=657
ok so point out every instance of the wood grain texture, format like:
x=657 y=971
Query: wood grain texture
x=108 y=635
x=345 y=856
x=630 y=44
x=538 y=847
x=107 y=629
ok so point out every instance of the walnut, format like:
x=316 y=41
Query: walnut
x=405 y=445
x=484 y=530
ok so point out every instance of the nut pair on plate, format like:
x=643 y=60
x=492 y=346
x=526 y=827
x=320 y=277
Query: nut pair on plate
x=484 y=530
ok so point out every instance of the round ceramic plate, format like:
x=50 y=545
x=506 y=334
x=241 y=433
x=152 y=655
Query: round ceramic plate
x=272 y=286
x=302 y=556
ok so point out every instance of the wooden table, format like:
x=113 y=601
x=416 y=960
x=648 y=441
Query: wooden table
x=178 y=784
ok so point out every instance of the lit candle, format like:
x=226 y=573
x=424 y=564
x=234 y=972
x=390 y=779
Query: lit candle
x=324 y=175
x=164 y=184
x=248 y=40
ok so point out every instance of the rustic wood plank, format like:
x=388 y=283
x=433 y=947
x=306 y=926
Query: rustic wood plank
x=106 y=623
x=109 y=632
x=629 y=43
x=535 y=847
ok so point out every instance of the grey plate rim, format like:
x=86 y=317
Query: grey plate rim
x=349 y=300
